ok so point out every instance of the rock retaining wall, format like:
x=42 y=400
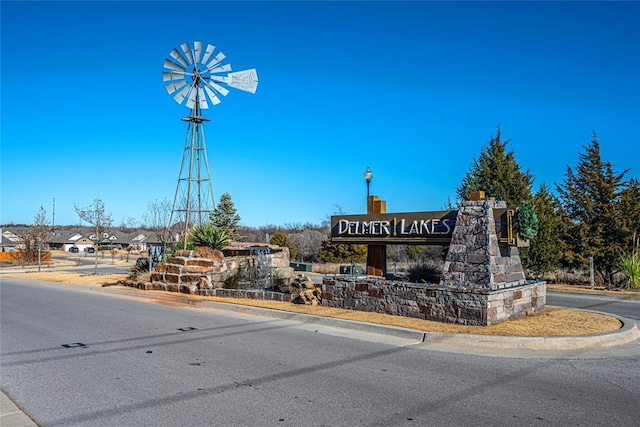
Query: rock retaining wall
x=214 y=292
x=203 y=268
x=466 y=306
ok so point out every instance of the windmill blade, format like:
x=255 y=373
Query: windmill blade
x=173 y=76
x=222 y=90
x=187 y=52
x=222 y=79
x=191 y=102
x=173 y=66
x=207 y=53
x=212 y=95
x=202 y=100
x=216 y=60
x=174 y=86
x=222 y=69
x=197 y=50
x=246 y=80
x=182 y=95
x=176 y=55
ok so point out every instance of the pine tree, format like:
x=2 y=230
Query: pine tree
x=225 y=216
x=544 y=255
x=331 y=252
x=280 y=238
x=497 y=173
x=630 y=213
x=591 y=198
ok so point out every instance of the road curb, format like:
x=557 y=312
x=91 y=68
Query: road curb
x=629 y=331
x=11 y=415
x=621 y=297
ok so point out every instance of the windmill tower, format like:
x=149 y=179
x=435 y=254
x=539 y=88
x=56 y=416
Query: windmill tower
x=196 y=78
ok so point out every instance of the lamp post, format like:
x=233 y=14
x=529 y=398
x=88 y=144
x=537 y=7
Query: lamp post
x=367 y=177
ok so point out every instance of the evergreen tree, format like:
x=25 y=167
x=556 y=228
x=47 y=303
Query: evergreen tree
x=591 y=198
x=340 y=253
x=630 y=213
x=225 y=216
x=497 y=173
x=544 y=255
x=280 y=238
x=414 y=252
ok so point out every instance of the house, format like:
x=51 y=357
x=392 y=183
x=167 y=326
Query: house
x=63 y=238
x=10 y=240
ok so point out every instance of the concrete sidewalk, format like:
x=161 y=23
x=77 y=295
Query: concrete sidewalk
x=11 y=415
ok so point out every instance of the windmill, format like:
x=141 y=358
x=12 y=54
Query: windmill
x=197 y=78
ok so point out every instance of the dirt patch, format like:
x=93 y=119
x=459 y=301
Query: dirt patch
x=552 y=321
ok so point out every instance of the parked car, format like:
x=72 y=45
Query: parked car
x=74 y=249
x=89 y=249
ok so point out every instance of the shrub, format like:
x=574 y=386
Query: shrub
x=630 y=266
x=209 y=236
x=527 y=221
x=424 y=272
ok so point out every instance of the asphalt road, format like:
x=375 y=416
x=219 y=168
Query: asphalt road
x=86 y=263
x=90 y=358
x=625 y=306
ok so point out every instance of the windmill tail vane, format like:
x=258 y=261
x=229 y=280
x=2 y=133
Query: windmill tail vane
x=193 y=76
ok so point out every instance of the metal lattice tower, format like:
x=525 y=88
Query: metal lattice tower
x=197 y=78
x=193 y=200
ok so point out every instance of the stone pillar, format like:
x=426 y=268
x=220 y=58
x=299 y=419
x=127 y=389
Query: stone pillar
x=376 y=254
x=474 y=256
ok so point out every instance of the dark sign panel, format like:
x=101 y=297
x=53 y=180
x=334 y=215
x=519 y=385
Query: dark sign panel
x=418 y=228
x=400 y=228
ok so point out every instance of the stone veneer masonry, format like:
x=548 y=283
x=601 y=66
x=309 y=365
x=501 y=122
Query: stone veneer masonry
x=211 y=292
x=474 y=256
x=482 y=282
x=479 y=306
x=186 y=272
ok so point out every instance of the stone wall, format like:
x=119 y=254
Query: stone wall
x=204 y=268
x=212 y=292
x=467 y=306
x=475 y=256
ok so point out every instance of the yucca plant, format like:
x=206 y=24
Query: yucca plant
x=630 y=266
x=209 y=236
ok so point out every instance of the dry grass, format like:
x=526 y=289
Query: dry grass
x=70 y=277
x=552 y=321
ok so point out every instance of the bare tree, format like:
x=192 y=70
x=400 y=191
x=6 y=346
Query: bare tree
x=96 y=215
x=40 y=233
x=326 y=221
x=308 y=243
x=129 y=222
x=35 y=238
x=157 y=219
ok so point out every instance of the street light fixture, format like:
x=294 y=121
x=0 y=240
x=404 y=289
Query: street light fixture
x=367 y=177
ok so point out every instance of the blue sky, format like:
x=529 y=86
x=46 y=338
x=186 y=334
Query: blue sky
x=412 y=89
